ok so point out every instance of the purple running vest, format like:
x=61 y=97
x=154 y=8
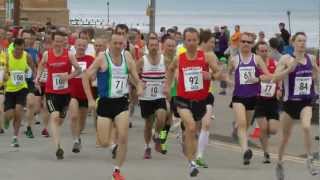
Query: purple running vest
x=299 y=85
x=243 y=71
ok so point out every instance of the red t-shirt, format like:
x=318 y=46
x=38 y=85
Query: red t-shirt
x=58 y=65
x=76 y=86
x=271 y=66
x=190 y=85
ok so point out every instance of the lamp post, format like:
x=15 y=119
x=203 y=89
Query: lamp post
x=152 y=17
x=289 y=19
x=108 y=8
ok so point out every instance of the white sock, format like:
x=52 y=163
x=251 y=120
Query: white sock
x=202 y=143
x=116 y=168
x=146 y=146
x=112 y=146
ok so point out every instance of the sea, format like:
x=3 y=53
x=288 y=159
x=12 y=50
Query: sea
x=251 y=15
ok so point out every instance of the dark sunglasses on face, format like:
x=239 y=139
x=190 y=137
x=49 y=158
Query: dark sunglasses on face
x=246 y=42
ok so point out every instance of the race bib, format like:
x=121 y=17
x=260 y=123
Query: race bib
x=29 y=73
x=193 y=79
x=119 y=85
x=58 y=83
x=268 y=89
x=153 y=89
x=246 y=73
x=18 y=77
x=44 y=76
x=302 y=85
x=83 y=66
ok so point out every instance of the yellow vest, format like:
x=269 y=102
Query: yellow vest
x=17 y=69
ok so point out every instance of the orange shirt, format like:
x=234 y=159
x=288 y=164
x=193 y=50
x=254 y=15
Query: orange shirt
x=235 y=39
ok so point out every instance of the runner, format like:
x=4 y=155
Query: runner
x=113 y=69
x=16 y=88
x=207 y=45
x=297 y=72
x=58 y=62
x=192 y=90
x=169 y=52
x=267 y=118
x=245 y=65
x=100 y=46
x=153 y=103
x=33 y=102
x=123 y=29
x=78 y=107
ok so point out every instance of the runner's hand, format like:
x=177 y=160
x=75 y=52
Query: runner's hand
x=253 y=80
x=206 y=75
x=92 y=104
x=140 y=89
x=64 y=77
x=166 y=90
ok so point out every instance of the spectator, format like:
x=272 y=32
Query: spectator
x=274 y=49
x=235 y=40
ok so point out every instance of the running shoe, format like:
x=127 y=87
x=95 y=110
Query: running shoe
x=29 y=133
x=76 y=147
x=247 y=157
x=147 y=153
x=117 y=176
x=266 y=158
x=163 y=143
x=201 y=163
x=15 y=142
x=59 y=153
x=279 y=171
x=45 y=133
x=193 y=170
x=311 y=167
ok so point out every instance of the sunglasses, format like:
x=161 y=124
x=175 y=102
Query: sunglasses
x=246 y=42
x=263 y=51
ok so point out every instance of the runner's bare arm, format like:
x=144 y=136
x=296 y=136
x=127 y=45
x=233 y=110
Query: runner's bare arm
x=139 y=65
x=213 y=64
x=133 y=73
x=91 y=71
x=6 y=74
x=266 y=75
x=31 y=64
x=77 y=69
x=282 y=68
x=316 y=69
x=41 y=65
x=171 y=72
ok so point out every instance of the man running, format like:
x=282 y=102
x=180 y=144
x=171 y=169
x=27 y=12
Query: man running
x=297 y=72
x=16 y=88
x=207 y=41
x=192 y=90
x=59 y=63
x=153 y=102
x=267 y=118
x=169 y=52
x=113 y=69
x=246 y=66
x=78 y=107
x=33 y=102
